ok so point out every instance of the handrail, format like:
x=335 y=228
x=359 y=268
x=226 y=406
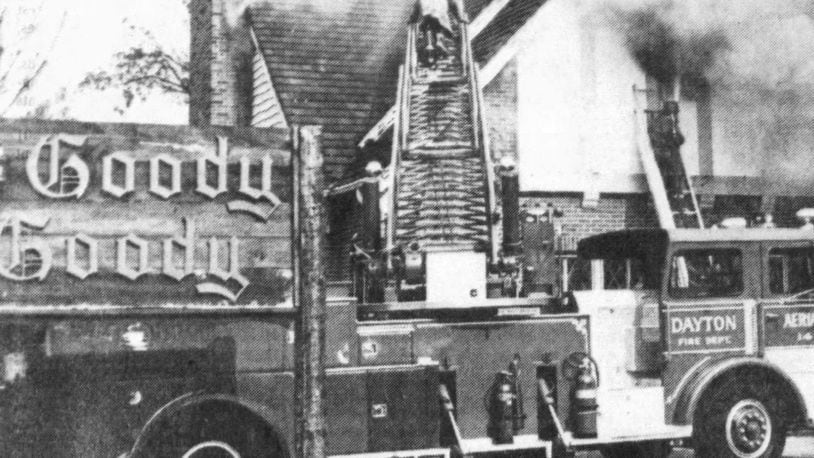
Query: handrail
x=395 y=153
x=489 y=168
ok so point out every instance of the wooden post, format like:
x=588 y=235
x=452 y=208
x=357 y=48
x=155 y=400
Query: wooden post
x=309 y=265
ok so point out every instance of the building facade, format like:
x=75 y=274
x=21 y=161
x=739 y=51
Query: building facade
x=562 y=83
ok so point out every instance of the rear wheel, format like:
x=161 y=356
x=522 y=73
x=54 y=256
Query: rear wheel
x=215 y=431
x=741 y=419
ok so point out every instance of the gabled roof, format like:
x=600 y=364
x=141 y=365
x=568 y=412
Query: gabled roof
x=336 y=63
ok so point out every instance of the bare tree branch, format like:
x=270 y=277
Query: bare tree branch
x=138 y=69
x=40 y=56
x=141 y=70
x=26 y=85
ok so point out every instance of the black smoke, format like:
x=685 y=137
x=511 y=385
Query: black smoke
x=665 y=54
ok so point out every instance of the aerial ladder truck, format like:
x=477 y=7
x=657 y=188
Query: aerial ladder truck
x=123 y=334
x=441 y=277
x=445 y=281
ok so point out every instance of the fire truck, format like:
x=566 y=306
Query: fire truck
x=146 y=299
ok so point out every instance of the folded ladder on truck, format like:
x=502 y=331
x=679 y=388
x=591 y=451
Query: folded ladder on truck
x=442 y=195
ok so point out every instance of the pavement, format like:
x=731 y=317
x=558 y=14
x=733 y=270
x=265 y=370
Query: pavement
x=796 y=447
x=799 y=447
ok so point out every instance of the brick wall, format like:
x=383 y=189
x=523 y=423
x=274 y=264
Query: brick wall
x=200 y=60
x=220 y=64
x=500 y=100
x=631 y=211
x=612 y=212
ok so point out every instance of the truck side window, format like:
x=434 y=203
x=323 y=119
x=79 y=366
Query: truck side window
x=791 y=270
x=626 y=273
x=706 y=273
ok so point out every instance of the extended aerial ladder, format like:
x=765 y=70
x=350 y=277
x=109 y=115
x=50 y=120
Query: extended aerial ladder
x=441 y=171
x=659 y=141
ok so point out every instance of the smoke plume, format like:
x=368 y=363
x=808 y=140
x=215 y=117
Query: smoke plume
x=663 y=52
x=757 y=59
x=730 y=42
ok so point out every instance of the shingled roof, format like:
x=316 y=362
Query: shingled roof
x=507 y=22
x=335 y=63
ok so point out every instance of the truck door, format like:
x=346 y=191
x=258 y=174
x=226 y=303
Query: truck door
x=709 y=299
x=786 y=316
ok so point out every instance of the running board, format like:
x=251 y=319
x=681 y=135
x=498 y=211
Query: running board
x=424 y=453
x=523 y=442
x=661 y=433
x=531 y=443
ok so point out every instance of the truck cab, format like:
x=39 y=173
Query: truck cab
x=718 y=323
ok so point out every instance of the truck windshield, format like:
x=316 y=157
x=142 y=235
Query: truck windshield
x=706 y=273
x=630 y=273
x=631 y=258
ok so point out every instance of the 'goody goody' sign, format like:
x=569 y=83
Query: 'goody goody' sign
x=144 y=216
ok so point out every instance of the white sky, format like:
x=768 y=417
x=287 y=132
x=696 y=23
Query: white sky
x=94 y=30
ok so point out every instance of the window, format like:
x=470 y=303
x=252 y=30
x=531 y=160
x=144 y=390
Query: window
x=624 y=273
x=791 y=270
x=575 y=273
x=706 y=273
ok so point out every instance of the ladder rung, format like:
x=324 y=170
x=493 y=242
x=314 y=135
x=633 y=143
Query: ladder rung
x=442 y=196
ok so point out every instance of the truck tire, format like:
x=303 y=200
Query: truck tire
x=740 y=418
x=204 y=433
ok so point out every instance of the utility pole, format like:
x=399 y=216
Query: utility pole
x=308 y=240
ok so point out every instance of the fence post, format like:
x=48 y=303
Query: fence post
x=308 y=201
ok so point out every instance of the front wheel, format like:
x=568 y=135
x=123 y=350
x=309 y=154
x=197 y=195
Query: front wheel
x=740 y=419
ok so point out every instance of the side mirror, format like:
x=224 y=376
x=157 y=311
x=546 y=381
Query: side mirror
x=567 y=302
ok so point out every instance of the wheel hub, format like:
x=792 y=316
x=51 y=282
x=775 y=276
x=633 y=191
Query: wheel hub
x=748 y=429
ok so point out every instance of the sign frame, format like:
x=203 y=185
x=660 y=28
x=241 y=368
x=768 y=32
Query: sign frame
x=280 y=144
